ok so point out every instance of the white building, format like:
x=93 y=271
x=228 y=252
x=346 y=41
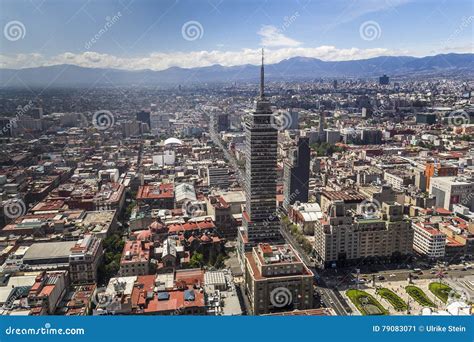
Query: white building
x=428 y=241
x=165 y=158
x=452 y=190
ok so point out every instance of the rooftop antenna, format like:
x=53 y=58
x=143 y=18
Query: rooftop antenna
x=262 y=77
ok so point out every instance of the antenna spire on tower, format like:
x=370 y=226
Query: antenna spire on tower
x=262 y=77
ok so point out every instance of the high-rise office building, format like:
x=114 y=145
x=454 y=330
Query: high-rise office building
x=294 y=118
x=144 y=116
x=384 y=80
x=296 y=173
x=260 y=220
x=321 y=132
x=222 y=122
x=218 y=177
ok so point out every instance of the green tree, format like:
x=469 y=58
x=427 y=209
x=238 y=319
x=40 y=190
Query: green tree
x=197 y=260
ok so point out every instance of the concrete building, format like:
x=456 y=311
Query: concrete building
x=260 y=222
x=426 y=118
x=135 y=260
x=452 y=190
x=218 y=177
x=305 y=215
x=429 y=241
x=84 y=260
x=144 y=116
x=332 y=136
x=436 y=169
x=226 y=225
x=277 y=280
x=399 y=178
x=371 y=136
x=220 y=121
x=47 y=292
x=384 y=80
x=296 y=174
x=159 y=196
x=48 y=255
x=344 y=238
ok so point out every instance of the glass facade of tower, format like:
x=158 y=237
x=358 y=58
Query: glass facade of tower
x=261 y=222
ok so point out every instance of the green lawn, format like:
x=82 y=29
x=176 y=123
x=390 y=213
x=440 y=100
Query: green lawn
x=397 y=303
x=417 y=294
x=366 y=303
x=440 y=290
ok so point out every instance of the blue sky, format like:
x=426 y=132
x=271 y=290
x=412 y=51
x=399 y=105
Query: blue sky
x=137 y=34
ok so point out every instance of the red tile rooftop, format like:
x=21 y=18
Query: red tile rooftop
x=46 y=290
x=450 y=242
x=135 y=251
x=189 y=226
x=155 y=191
x=175 y=302
x=429 y=229
x=443 y=211
x=49 y=205
x=191 y=276
x=265 y=248
x=218 y=202
x=146 y=284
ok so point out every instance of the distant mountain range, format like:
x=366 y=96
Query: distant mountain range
x=297 y=68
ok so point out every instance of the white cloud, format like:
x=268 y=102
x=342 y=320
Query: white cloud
x=161 y=61
x=273 y=37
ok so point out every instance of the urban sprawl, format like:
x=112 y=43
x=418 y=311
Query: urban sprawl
x=322 y=197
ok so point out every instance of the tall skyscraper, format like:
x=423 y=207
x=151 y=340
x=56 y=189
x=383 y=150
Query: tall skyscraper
x=260 y=219
x=384 y=80
x=321 y=132
x=296 y=173
x=144 y=116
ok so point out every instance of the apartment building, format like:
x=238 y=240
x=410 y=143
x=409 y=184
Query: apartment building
x=277 y=280
x=343 y=237
x=429 y=241
x=84 y=259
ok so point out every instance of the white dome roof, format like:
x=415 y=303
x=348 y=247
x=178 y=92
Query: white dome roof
x=173 y=141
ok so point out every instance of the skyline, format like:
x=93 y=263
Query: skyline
x=137 y=35
x=226 y=158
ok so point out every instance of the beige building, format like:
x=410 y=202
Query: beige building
x=277 y=280
x=343 y=237
x=84 y=260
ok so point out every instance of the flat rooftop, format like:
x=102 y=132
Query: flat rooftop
x=49 y=250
